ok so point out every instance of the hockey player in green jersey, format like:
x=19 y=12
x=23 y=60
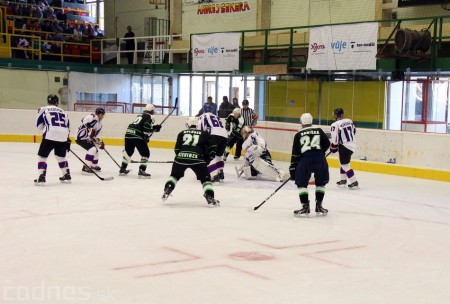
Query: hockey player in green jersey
x=137 y=137
x=191 y=151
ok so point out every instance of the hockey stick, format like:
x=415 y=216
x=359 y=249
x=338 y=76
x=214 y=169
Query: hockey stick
x=153 y=161
x=174 y=107
x=284 y=183
x=101 y=178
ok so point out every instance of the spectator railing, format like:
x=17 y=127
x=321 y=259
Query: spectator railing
x=152 y=49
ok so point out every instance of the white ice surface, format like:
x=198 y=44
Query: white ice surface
x=115 y=241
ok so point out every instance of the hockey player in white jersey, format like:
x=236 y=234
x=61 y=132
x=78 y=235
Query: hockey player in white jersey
x=55 y=126
x=217 y=141
x=88 y=139
x=257 y=158
x=343 y=140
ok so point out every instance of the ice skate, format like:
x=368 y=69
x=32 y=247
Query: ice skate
x=143 y=174
x=341 y=183
x=353 y=186
x=66 y=178
x=86 y=170
x=216 y=178
x=236 y=157
x=211 y=201
x=96 y=168
x=304 y=212
x=225 y=156
x=221 y=175
x=167 y=191
x=123 y=171
x=320 y=210
x=40 y=181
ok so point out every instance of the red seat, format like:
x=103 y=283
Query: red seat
x=75 y=49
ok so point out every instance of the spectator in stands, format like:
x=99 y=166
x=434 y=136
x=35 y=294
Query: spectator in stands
x=235 y=103
x=35 y=27
x=17 y=12
x=50 y=14
x=90 y=31
x=130 y=44
x=98 y=32
x=225 y=108
x=210 y=102
x=46 y=27
x=77 y=32
x=24 y=44
x=55 y=27
x=66 y=28
x=26 y=27
x=59 y=13
x=36 y=12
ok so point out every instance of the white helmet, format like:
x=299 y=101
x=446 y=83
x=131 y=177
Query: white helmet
x=191 y=122
x=246 y=131
x=237 y=111
x=149 y=108
x=306 y=119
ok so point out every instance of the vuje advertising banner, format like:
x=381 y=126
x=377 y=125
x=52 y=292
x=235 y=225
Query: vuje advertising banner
x=343 y=47
x=215 y=52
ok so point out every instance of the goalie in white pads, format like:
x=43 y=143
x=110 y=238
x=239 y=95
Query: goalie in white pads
x=257 y=158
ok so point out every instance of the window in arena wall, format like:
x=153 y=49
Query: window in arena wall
x=223 y=89
x=136 y=94
x=157 y=90
x=146 y=89
x=197 y=94
x=185 y=95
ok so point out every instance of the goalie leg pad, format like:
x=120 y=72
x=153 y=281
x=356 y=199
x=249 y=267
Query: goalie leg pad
x=268 y=170
x=247 y=172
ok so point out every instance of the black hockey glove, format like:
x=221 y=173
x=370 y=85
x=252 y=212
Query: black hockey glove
x=227 y=127
x=68 y=143
x=157 y=128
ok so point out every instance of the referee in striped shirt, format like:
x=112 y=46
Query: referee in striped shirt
x=249 y=115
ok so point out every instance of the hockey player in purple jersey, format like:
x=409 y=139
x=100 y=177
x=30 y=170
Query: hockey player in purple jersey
x=55 y=126
x=343 y=140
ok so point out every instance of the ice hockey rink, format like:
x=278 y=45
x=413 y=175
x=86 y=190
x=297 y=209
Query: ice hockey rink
x=96 y=241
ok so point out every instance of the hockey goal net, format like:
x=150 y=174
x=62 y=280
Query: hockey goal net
x=115 y=107
x=159 y=110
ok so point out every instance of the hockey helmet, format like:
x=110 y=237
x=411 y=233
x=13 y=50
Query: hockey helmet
x=99 y=111
x=338 y=112
x=207 y=108
x=191 y=122
x=237 y=111
x=306 y=119
x=53 y=99
x=246 y=131
x=149 y=108
x=245 y=102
